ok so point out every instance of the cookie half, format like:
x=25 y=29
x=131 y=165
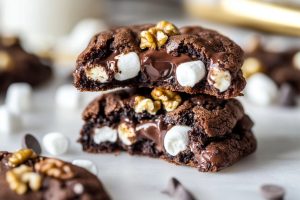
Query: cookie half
x=191 y=59
x=199 y=131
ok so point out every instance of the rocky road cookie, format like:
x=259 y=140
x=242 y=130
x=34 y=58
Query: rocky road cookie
x=27 y=176
x=16 y=65
x=191 y=59
x=194 y=130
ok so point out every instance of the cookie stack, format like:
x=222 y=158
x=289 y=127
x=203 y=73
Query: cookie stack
x=178 y=99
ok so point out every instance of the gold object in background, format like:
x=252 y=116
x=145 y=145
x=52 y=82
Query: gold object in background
x=272 y=17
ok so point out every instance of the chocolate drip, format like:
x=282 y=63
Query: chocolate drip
x=160 y=64
x=153 y=130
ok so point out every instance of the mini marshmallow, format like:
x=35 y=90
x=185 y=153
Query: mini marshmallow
x=9 y=122
x=176 y=139
x=220 y=79
x=105 y=134
x=261 y=90
x=190 y=73
x=67 y=97
x=19 y=98
x=296 y=60
x=86 y=164
x=128 y=65
x=55 y=143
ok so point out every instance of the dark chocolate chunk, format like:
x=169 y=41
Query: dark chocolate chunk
x=272 y=192
x=158 y=67
x=287 y=95
x=220 y=132
x=176 y=190
x=30 y=142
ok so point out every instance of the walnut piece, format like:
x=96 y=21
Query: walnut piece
x=20 y=157
x=126 y=134
x=21 y=177
x=157 y=36
x=251 y=66
x=171 y=100
x=145 y=104
x=167 y=27
x=54 y=168
x=5 y=61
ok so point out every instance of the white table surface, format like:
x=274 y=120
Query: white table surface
x=277 y=159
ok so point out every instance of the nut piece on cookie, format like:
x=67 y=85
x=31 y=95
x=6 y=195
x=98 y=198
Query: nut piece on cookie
x=21 y=156
x=190 y=73
x=176 y=139
x=21 y=177
x=296 y=60
x=54 y=168
x=171 y=100
x=219 y=78
x=167 y=27
x=251 y=66
x=142 y=104
x=127 y=134
x=5 y=61
x=97 y=73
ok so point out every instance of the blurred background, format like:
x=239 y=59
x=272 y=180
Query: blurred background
x=267 y=30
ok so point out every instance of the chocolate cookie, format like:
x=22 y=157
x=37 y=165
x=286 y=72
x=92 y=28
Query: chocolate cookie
x=193 y=60
x=16 y=65
x=194 y=130
x=27 y=176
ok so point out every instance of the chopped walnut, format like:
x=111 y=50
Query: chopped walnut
x=145 y=104
x=126 y=134
x=171 y=100
x=54 y=168
x=147 y=40
x=20 y=157
x=167 y=27
x=21 y=177
x=157 y=36
x=5 y=61
x=251 y=66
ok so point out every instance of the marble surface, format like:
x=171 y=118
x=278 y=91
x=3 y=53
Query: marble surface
x=277 y=159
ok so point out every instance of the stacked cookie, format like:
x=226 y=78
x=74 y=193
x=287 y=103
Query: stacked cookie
x=177 y=103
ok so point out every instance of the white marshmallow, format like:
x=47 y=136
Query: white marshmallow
x=129 y=66
x=296 y=60
x=86 y=164
x=67 y=97
x=261 y=90
x=105 y=134
x=190 y=73
x=9 y=122
x=55 y=143
x=78 y=188
x=220 y=79
x=176 y=139
x=19 y=98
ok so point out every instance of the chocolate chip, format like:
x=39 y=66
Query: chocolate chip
x=272 y=192
x=287 y=95
x=176 y=190
x=30 y=142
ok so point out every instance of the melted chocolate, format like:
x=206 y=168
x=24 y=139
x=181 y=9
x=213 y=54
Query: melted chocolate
x=153 y=130
x=160 y=64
